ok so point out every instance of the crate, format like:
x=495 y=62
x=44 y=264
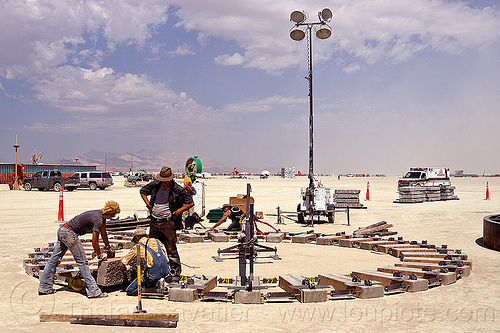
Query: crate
x=240 y=202
x=214 y=215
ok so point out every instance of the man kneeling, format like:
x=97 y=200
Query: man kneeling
x=155 y=267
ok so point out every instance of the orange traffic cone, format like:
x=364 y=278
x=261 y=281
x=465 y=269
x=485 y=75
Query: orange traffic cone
x=60 y=215
x=487 y=191
x=367 y=191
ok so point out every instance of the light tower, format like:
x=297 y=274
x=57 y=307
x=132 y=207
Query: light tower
x=297 y=33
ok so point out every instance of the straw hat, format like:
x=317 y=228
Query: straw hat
x=111 y=207
x=165 y=174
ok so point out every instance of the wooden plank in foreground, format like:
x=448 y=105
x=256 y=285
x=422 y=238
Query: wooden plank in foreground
x=60 y=317
x=123 y=322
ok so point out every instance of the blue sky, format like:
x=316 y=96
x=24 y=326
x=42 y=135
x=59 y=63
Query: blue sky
x=400 y=83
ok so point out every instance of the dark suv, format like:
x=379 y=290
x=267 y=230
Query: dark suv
x=94 y=179
x=48 y=179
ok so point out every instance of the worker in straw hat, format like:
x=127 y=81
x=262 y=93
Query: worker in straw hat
x=153 y=260
x=92 y=221
x=167 y=200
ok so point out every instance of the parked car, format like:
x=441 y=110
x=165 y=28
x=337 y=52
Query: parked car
x=139 y=176
x=50 y=179
x=94 y=179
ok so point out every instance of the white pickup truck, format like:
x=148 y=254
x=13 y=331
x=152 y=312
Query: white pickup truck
x=426 y=176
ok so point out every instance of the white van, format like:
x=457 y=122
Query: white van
x=95 y=179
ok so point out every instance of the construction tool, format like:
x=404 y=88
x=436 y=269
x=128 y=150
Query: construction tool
x=139 y=291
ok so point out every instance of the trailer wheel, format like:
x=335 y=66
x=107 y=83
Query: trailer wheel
x=27 y=186
x=300 y=218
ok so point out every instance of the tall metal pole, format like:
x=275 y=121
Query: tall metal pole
x=311 y=117
x=311 y=132
x=15 y=186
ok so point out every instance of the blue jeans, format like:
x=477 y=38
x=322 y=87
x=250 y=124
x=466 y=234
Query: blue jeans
x=234 y=226
x=68 y=239
x=160 y=269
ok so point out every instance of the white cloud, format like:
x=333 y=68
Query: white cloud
x=352 y=68
x=74 y=89
x=229 y=60
x=128 y=21
x=369 y=30
x=264 y=105
x=182 y=50
x=97 y=74
x=397 y=30
x=36 y=35
x=101 y=101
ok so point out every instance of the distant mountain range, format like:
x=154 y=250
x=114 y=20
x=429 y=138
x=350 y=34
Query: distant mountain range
x=151 y=161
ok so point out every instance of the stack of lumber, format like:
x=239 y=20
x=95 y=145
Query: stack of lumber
x=448 y=193
x=432 y=193
x=411 y=194
x=377 y=229
x=128 y=223
x=417 y=194
x=347 y=197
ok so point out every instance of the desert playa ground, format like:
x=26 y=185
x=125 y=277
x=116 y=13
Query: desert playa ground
x=471 y=304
